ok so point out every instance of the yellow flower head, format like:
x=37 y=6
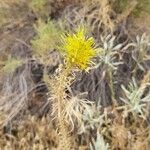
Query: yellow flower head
x=79 y=49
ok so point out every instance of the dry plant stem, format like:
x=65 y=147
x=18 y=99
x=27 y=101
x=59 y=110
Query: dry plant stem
x=63 y=127
x=106 y=9
x=65 y=142
x=60 y=90
x=110 y=76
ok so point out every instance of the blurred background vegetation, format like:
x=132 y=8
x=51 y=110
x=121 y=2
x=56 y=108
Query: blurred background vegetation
x=103 y=107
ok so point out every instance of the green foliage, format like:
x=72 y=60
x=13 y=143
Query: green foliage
x=41 y=8
x=120 y=5
x=47 y=38
x=10 y=65
x=37 y=5
x=142 y=6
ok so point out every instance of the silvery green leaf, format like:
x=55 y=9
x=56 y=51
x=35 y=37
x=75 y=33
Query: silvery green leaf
x=108 y=37
x=143 y=37
x=118 y=63
x=117 y=47
x=146 y=99
x=134 y=97
x=105 y=46
x=138 y=39
x=141 y=67
x=111 y=42
x=125 y=90
x=99 y=144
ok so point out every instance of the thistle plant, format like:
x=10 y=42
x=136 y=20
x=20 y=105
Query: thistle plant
x=134 y=99
x=78 y=51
